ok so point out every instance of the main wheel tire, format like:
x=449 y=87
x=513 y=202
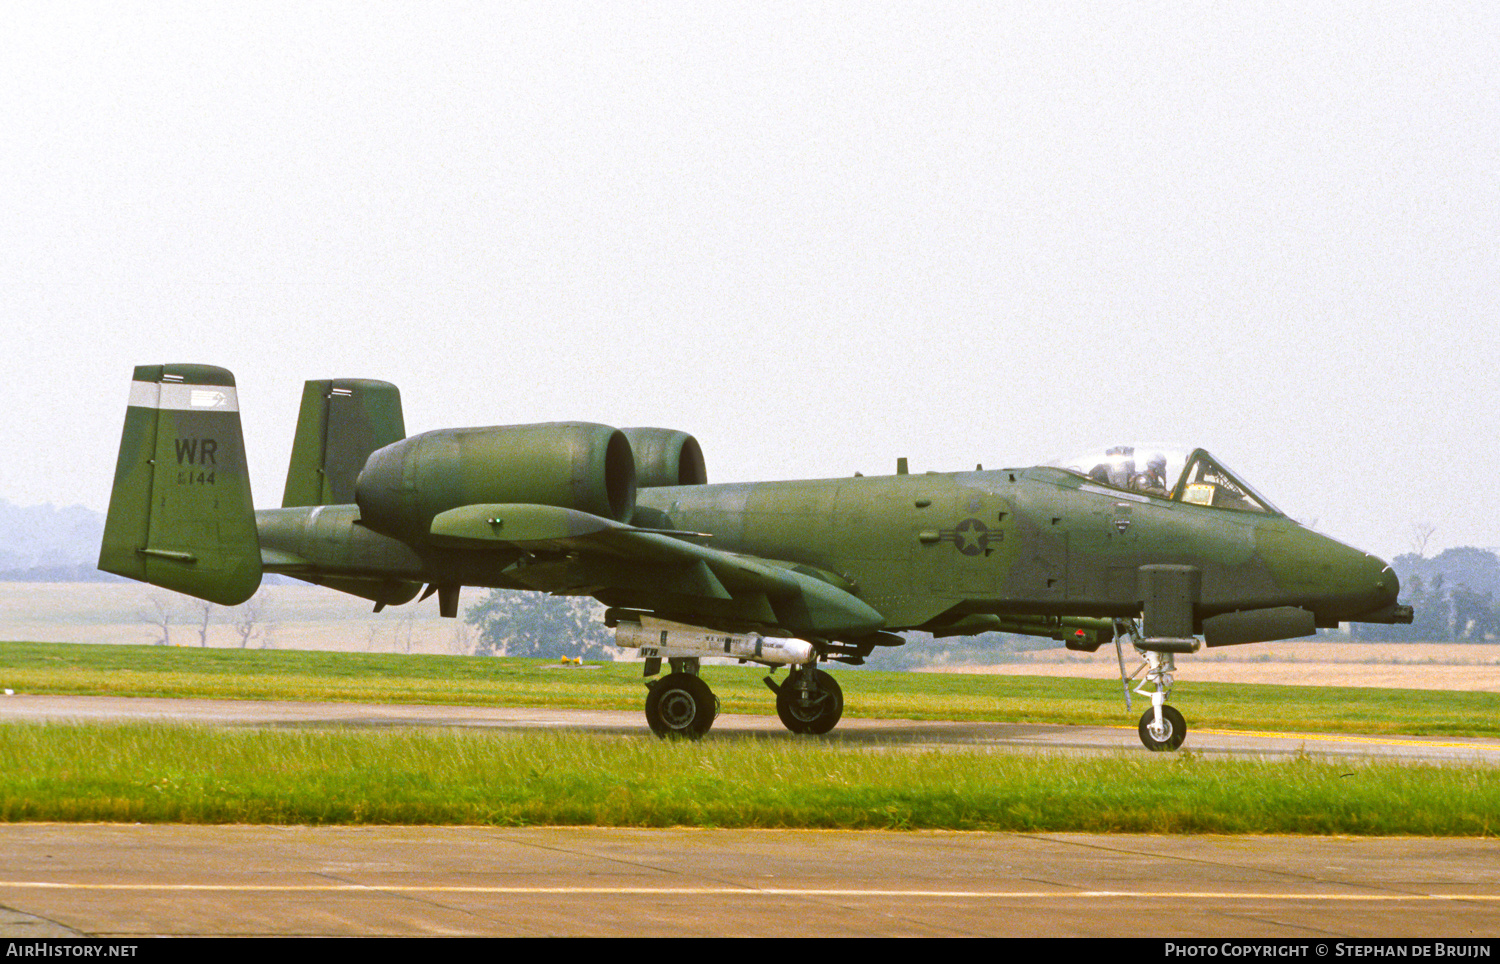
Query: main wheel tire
x=817 y=714
x=680 y=704
x=1173 y=725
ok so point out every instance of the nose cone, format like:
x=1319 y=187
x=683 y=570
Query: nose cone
x=1337 y=582
x=1389 y=585
x=1354 y=582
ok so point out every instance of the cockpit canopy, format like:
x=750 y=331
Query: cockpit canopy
x=1164 y=472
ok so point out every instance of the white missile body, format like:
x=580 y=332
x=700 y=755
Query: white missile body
x=661 y=639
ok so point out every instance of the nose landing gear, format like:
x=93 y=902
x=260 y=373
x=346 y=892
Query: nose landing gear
x=1162 y=727
x=1165 y=734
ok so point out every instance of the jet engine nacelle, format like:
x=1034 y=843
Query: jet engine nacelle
x=573 y=465
x=665 y=456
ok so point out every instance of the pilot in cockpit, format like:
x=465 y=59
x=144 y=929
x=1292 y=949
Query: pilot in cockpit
x=1118 y=470
x=1153 y=481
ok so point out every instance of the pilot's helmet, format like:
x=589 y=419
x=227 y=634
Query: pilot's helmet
x=1121 y=468
x=1157 y=464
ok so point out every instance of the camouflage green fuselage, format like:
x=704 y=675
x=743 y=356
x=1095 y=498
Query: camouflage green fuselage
x=933 y=551
x=928 y=550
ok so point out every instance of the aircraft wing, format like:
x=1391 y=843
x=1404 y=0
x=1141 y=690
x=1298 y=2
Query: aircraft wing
x=568 y=551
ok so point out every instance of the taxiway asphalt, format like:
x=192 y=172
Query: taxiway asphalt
x=131 y=881
x=137 y=881
x=852 y=733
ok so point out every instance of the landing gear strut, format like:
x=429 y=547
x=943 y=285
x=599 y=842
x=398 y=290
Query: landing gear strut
x=1161 y=727
x=680 y=704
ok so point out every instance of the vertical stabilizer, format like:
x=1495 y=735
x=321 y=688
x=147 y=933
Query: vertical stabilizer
x=341 y=422
x=180 y=513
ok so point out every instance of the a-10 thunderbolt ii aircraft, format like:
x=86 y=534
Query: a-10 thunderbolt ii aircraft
x=1145 y=547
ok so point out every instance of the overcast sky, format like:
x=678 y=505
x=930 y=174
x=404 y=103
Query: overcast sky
x=818 y=236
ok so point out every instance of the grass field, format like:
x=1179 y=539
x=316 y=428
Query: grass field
x=175 y=773
x=291 y=616
x=485 y=681
x=153 y=772
x=186 y=774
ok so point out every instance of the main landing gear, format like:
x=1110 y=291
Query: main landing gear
x=810 y=701
x=1161 y=727
x=680 y=704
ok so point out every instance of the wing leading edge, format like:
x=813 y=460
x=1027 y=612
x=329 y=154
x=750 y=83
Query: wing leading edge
x=566 y=550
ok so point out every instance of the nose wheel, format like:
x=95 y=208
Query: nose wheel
x=1161 y=727
x=1165 y=734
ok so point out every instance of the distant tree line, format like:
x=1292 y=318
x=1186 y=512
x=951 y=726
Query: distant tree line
x=1455 y=595
x=252 y=621
x=64 y=542
x=510 y=623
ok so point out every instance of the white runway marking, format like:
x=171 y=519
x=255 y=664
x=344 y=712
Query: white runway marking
x=719 y=891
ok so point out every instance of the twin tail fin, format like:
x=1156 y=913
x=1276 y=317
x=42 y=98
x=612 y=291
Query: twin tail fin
x=180 y=513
